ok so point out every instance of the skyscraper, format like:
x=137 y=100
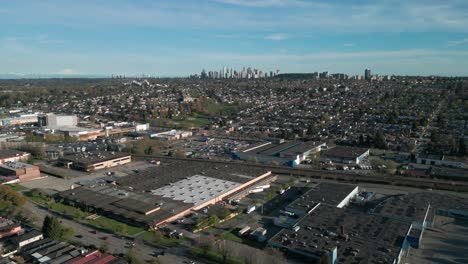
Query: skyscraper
x=367 y=74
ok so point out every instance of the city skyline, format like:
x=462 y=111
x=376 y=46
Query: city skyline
x=174 y=40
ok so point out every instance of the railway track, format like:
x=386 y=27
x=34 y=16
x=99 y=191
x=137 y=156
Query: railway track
x=350 y=177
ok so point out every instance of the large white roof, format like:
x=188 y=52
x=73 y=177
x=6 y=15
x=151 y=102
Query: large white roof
x=196 y=189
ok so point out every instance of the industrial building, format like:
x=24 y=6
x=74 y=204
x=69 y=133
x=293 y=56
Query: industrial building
x=20 y=171
x=53 y=120
x=19 y=120
x=163 y=194
x=94 y=160
x=347 y=155
x=345 y=236
x=333 y=194
x=319 y=226
x=171 y=135
x=7 y=155
x=441 y=160
x=32 y=247
x=80 y=133
x=284 y=153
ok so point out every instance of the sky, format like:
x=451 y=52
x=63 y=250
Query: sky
x=182 y=37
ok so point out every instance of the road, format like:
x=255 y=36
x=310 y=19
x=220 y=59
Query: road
x=85 y=235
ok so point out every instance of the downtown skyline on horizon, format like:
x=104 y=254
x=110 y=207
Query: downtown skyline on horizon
x=166 y=39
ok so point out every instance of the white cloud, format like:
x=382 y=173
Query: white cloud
x=66 y=72
x=323 y=16
x=277 y=37
x=348 y=45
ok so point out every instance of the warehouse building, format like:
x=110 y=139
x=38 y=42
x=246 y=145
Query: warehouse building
x=347 y=155
x=344 y=236
x=7 y=155
x=333 y=194
x=284 y=153
x=54 y=120
x=94 y=160
x=171 y=135
x=165 y=193
x=21 y=171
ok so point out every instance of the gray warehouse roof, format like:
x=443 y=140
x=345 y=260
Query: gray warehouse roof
x=374 y=239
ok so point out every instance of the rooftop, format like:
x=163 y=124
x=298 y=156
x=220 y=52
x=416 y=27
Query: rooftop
x=8 y=153
x=410 y=207
x=282 y=149
x=346 y=152
x=196 y=189
x=171 y=171
x=11 y=165
x=359 y=237
x=92 y=157
x=325 y=193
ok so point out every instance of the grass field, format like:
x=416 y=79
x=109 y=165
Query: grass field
x=17 y=187
x=74 y=212
x=162 y=241
x=232 y=237
x=214 y=256
x=116 y=226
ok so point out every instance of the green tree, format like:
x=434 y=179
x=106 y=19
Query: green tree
x=104 y=248
x=379 y=141
x=51 y=228
x=132 y=257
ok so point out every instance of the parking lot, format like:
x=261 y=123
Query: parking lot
x=56 y=184
x=205 y=147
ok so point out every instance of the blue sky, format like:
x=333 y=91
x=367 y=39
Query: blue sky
x=181 y=37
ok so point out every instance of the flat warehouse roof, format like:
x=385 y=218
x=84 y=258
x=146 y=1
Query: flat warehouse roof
x=93 y=157
x=326 y=193
x=171 y=171
x=196 y=189
x=410 y=207
x=274 y=149
x=9 y=153
x=376 y=239
x=306 y=146
x=346 y=152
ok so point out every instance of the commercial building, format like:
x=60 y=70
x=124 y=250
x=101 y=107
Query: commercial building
x=80 y=133
x=53 y=120
x=163 y=194
x=10 y=155
x=347 y=155
x=21 y=171
x=441 y=160
x=333 y=194
x=19 y=120
x=94 y=160
x=171 y=135
x=419 y=210
x=367 y=75
x=284 y=153
x=344 y=236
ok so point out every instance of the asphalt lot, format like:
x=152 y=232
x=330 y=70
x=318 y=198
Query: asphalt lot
x=55 y=184
x=446 y=243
